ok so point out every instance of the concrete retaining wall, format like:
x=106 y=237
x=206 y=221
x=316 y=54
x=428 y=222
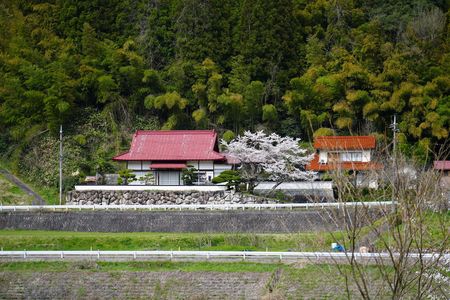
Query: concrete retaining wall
x=264 y=221
x=106 y=197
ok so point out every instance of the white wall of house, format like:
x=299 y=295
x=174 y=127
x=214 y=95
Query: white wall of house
x=134 y=165
x=367 y=156
x=353 y=155
x=323 y=156
x=139 y=165
x=202 y=164
x=207 y=171
x=194 y=163
x=206 y=165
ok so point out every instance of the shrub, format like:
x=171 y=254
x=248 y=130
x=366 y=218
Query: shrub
x=230 y=176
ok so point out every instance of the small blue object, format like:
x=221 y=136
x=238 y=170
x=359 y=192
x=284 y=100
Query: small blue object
x=338 y=248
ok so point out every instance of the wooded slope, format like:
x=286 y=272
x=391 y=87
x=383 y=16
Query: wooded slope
x=296 y=67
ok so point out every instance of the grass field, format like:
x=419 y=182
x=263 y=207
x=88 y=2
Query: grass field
x=12 y=194
x=63 y=266
x=436 y=226
x=61 y=240
x=50 y=195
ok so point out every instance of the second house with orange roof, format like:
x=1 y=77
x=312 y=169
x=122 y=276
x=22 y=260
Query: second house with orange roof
x=352 y=154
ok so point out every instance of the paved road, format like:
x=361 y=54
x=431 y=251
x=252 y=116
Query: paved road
x=37 y=200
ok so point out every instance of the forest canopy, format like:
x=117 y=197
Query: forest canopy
x=301 y=68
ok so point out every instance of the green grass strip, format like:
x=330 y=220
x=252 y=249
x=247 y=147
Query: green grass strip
x=149 y=266
x=62 y=240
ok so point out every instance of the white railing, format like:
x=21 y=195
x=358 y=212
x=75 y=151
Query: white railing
x=206 y=255
x=169 y=188
x=193 y=206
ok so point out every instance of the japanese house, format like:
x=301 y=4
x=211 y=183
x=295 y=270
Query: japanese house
x=353 y=154
x=166 y=153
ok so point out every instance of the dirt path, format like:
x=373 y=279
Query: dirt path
x=37 y=199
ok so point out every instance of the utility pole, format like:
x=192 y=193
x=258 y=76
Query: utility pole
x=60 y=163
x=394 y=129
x=394 y=161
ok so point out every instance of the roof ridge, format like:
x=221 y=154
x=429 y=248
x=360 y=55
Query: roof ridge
x=170 y=132
x=346 y=136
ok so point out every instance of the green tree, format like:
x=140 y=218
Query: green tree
x=125 y=177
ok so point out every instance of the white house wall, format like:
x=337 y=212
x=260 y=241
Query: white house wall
x=201 y=165
x=206 y=165
x=366 y=156
x=146 y=165
x=193 y=163
x=323 y=156
x=135 y=165
x=210 y=169
x=140 y=165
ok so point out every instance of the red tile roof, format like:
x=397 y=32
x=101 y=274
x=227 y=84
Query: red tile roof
x=173 y=145
x=314 y=165
x=344 y=142
x=442 y=165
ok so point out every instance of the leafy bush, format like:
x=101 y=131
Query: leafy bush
x=148 y=178
x=228 y=136
x=231 y=177
x=189 y=175
x=125 y=177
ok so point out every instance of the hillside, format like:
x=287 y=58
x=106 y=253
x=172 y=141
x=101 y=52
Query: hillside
x=12 y=194
x=295 y=67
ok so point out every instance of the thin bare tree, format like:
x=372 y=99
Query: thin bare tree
x=418 y=225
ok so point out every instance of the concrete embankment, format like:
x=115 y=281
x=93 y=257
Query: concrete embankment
x=264 y=221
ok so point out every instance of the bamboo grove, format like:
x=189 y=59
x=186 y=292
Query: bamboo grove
x=296 y=67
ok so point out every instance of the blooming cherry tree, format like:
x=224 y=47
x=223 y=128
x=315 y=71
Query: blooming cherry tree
x=269 y=157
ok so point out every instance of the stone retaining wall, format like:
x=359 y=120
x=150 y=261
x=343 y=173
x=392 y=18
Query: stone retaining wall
x=161 y=197
x=132 y=285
